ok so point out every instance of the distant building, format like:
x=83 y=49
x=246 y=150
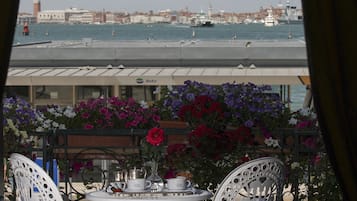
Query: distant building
x=71 y=15
x=23 y=18
x=36 y=8
x=52 y=16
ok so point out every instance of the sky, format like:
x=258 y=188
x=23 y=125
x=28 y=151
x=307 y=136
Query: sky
x=156 y=5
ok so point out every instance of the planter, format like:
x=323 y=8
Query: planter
x=95 y=141
x=172 y=124
x=176 y=131
x=95 y=144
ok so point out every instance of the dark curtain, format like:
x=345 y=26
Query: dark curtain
x=8 y=14
x=331 y=40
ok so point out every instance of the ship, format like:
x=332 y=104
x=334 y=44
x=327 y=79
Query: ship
x=201 y=20
x=291 y=15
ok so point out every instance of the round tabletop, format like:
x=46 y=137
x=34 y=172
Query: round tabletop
x=194 y=195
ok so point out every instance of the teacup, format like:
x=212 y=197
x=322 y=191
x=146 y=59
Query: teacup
x=138 y=185
x=178 y=183
x=117 y=186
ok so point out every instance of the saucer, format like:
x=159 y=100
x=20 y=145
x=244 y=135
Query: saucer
x=177 y=191
x=136 y=191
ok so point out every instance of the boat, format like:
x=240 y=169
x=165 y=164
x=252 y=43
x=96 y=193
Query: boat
x=269 y=20
x=291 y=15
x=201 y=20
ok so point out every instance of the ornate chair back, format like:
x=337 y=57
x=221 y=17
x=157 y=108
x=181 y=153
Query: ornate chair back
x=32 y=182
x=259 y=179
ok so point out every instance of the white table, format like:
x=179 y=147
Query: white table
x=195 y=195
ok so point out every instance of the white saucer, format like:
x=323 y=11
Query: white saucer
x=177 y=191
x=136 y=191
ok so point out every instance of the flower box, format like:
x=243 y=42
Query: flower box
x=176 y=131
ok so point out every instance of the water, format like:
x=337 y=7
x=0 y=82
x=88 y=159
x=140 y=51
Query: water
x=46 y=32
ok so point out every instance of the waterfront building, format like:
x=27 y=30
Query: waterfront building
x=57 y=73
x=60 y=16
x=23 y=18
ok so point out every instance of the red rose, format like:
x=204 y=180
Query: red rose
x=155 y=136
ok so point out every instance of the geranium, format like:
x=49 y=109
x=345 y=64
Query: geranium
x=247 y=104
x=203 y=110
x=155 y=136
x=152 y=146
x=115 y=113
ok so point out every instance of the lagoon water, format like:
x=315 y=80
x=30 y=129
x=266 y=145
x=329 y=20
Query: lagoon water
x=42 y=32
x=51 y=32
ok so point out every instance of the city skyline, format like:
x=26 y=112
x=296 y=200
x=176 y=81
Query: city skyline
x=156 y=5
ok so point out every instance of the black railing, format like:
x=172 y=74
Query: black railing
x=55 y=145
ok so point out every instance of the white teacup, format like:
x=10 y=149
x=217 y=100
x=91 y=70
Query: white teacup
x=178 y=183
x=138 y=185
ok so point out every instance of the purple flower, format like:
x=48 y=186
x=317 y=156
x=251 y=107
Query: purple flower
x=249 y=123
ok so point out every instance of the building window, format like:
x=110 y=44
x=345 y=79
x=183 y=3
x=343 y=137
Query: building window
x=87 y=92
x=139 y=93
x=18 y=91
x=61 y=95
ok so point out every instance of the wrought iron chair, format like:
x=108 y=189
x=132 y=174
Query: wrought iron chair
x=259 y=179
x=32 y=182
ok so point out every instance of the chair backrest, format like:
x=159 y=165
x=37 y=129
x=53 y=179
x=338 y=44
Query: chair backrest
x=259 y=179
x=32 y=182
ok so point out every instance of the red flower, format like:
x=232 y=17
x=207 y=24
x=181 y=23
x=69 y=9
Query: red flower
x=176 y=148
x=155 y=136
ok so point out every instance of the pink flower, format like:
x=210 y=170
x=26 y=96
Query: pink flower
x=85 y=115
x=310 y=142
x=88 y=126
x=316 y=159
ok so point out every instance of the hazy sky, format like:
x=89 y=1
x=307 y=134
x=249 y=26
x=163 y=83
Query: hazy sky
x=156 y=5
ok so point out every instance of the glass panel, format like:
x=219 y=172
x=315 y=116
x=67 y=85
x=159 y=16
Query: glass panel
x=139 y=93
x=87 y=92
x=19 y=91
x=61 y=95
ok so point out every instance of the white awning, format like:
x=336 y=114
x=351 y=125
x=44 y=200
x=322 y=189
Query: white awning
x=89 y=75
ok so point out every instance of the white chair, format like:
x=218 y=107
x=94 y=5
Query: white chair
x=32 y=182
x=259 y=179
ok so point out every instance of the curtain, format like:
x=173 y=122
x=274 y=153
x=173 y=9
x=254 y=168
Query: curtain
x=8 y=14
x=331 y=43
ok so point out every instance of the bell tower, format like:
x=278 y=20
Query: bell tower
x=36 y=7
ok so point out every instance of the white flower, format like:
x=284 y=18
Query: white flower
x=144 y=104
x=270 y=142
x=293 y=121
x=69 y=112
x=62 y=127
x=55 y=124
x=51 y=110
x=295 y=165
x=40 y=129
x=304 y=112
